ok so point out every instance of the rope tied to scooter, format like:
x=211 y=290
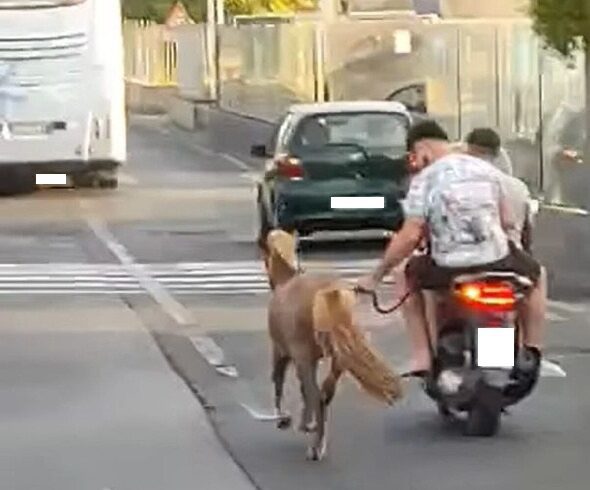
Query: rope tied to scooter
x=375 y=300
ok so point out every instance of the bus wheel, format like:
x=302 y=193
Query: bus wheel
x=108 y=183
x=85 y=180
x=16 y=181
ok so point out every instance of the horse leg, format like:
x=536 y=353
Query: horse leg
x=306 y=419
x=313 y=404
x=329 y=384
x=279 y=371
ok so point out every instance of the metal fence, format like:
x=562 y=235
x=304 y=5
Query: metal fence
x=466 y=73
x=150 y=54
x=265 y=68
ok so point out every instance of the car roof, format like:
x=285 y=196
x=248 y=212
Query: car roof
x=348 y=106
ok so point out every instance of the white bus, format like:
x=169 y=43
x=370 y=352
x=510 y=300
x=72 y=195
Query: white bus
x=62 y=93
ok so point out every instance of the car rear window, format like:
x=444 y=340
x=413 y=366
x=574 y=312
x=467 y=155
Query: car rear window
x=371 y=130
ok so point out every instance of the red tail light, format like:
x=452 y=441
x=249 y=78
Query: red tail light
x=289 y=167
x=497 y=296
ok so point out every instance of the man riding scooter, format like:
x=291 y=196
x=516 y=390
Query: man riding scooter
x=485 y=143
x=458 y=203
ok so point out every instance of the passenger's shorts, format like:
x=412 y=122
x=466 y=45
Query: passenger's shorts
x=423 y=273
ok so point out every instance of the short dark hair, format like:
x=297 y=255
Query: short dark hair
x=485 y=138
x=425 y=130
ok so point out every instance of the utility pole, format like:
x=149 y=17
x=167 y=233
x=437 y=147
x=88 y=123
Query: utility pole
x=220 y=12
x=215 y=17
x=328 y=14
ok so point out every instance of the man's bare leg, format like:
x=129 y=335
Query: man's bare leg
x=533 y=313
x=431 y=299
x=414 y=313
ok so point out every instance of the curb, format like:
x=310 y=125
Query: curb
x=245 y=115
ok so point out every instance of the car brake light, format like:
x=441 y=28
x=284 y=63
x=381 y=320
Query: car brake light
x=493 y=296
x=289 y=167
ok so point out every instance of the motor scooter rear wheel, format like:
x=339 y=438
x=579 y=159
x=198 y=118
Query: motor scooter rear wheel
x=482 y=422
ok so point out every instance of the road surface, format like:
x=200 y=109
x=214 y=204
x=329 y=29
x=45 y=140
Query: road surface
x=88 y=281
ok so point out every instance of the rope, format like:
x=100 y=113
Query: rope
x=375 y=301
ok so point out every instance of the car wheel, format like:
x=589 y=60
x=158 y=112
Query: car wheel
x=264 y=225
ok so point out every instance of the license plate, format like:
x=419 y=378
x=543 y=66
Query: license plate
x=495 y=347
x=28 y=129
x=51 y=179
x=358 y=202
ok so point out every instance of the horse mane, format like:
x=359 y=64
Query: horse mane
x=280 y=257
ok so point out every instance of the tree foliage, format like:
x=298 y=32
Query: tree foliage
x=157 y=9
x=245 y=7
x=563 y=24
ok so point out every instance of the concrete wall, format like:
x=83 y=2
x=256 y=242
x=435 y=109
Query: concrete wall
x=147 y=100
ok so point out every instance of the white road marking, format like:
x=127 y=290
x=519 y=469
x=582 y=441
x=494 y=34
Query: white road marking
x=166 y=301
x=552 y=370
x=183 y=278
x=567 y=307
x=237 y=162
x=566 y=209
x=240 y=164
x=214 y=355
x=554 y=317
x=261 y=417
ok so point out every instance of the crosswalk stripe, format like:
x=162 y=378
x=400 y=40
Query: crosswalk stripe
x=182 y=278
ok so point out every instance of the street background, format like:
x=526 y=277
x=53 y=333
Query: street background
x=90 y=347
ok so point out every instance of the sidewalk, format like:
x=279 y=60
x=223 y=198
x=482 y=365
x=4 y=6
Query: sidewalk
x=88 y=401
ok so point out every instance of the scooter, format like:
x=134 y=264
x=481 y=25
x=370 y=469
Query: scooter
x=479 y=364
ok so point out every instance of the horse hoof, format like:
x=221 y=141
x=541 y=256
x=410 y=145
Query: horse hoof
x=308 y=428
x=284 y=423
x=316 y=453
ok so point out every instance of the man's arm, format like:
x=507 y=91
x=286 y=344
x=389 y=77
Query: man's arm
x=400 y=246
x=507 y=216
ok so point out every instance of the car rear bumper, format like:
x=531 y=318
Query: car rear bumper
x=307 y=206
x=385 y=219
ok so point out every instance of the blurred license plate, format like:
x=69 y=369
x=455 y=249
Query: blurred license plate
x=495 y=347
x=28 y=129
x=357 y=202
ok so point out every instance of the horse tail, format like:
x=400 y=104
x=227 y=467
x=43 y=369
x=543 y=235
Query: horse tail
x=333 y=315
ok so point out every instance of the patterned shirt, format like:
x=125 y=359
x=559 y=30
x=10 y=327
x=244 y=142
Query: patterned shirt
x=459 y=198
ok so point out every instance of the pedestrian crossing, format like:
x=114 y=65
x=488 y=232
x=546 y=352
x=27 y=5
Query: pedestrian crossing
x=221 y=278
x=182 y=279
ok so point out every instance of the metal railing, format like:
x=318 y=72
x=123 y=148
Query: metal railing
x=477 y=72
x=151 y=55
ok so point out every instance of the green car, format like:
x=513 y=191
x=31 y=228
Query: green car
x=337 y=166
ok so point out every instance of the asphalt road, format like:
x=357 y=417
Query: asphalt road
x=88 y=401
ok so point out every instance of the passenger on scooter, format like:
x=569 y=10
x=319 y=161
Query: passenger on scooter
x=458 y=203
x=485 y=143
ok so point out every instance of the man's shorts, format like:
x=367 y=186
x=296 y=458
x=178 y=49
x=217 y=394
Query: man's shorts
x=423 y=273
